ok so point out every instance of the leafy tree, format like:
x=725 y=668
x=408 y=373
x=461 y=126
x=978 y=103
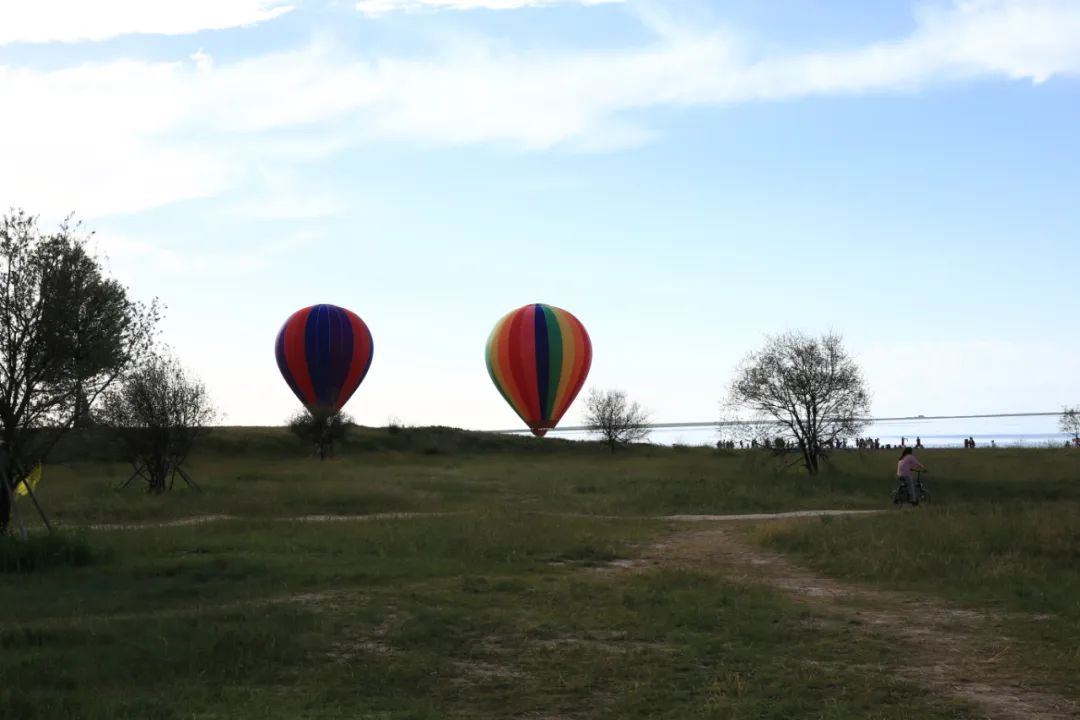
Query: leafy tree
x=808 y=386
x=67 y=332
x=610 y=414
x=159 y=411
x=1070 y=421
x=322 y=430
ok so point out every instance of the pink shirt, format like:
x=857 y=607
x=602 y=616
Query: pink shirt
x=906 y=465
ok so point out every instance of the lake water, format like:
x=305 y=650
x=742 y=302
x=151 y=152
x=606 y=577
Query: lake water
x=1002 y=432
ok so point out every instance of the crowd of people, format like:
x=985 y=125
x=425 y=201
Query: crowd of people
x=866 y=443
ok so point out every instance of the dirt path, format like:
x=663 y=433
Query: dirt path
x=958 y=653
x=204 y=519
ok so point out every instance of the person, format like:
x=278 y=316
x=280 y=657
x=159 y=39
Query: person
x=918 y=443
x=907 y=465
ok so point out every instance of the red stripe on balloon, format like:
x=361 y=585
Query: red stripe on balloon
x=296 y=354
x=361 y=357
x=505 y=363
x=525 y=337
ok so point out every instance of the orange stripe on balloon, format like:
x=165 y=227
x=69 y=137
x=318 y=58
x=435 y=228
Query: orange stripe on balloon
x=569 y=350
x=582 y=363
x=502 y=361
x=499 y=356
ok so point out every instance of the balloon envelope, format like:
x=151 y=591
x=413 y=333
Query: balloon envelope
x=538 y=356
x=324 y=352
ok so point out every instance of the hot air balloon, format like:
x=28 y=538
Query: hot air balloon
x=324 y=352
x=538 y=357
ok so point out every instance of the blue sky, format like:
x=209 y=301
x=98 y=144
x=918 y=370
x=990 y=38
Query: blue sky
x=685 y=177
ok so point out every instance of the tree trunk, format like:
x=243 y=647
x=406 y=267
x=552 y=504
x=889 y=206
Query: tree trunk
x=159 y=474
x=5 y=505
x=7 y=490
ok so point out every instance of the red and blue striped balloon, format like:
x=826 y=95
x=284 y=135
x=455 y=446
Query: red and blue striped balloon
x=324 y=352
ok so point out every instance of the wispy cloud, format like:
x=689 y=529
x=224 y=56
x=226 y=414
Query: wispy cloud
x=122 y=136
x=128 y=253
x=383 y=7
x=42 y=21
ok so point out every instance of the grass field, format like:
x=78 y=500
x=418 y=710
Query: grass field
x=511 y=578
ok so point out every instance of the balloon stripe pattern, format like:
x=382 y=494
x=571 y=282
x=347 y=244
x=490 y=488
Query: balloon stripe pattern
x=324 y=352
x=538 y=356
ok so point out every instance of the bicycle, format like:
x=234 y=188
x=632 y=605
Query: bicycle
x=900 y=495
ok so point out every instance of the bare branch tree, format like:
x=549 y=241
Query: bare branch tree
x=1070 y=422
x=67 y=332
x=322 y=429
x=159 y=411
x=810 y=387
x=610 y=414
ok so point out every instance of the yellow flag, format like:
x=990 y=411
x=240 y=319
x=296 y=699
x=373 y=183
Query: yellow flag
x=31 y=480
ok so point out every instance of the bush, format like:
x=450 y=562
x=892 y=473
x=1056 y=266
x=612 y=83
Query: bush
x=38 y=552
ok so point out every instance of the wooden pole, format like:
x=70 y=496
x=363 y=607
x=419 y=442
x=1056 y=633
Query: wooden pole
x=14 y=508
x=41 y=511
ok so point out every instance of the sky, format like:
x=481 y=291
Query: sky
x=685 y=177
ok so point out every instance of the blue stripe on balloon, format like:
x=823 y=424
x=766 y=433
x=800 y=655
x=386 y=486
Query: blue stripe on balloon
x=315 y=345
x=341 y=350
x=543 y=359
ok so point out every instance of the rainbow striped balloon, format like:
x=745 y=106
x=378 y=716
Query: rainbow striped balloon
x=324 y=352
x=538 y=356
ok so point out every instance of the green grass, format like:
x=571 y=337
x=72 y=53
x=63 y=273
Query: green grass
x=1019 y=560
x=41 y=551
x=487 y=616
x=514 y=602
x=263 y=473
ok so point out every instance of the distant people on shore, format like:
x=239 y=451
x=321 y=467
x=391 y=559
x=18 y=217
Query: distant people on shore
x=918 y=443
x=969 y=443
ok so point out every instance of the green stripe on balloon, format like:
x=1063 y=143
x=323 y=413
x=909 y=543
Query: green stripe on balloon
x=555 y=355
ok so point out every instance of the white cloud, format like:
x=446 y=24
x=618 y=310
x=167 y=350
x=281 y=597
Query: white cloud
x=123 y=136
x=374 y=8
x=41 y=21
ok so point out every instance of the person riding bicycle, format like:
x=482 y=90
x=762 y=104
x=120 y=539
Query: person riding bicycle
x=904 y=468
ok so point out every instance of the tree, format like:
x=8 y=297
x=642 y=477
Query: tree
x=67 y=332
x=159 y=411
x=1070 y=421
x=322 y=429
x=610 y=414
x=810 y=387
